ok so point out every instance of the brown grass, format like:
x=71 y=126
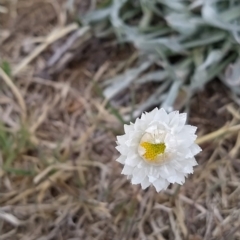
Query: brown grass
x=58 y=176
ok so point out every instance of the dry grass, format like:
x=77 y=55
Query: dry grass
x=58 y=177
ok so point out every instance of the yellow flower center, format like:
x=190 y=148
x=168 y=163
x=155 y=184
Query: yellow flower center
x=153 y=150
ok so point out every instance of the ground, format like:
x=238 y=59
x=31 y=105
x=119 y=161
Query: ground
x=59 y=177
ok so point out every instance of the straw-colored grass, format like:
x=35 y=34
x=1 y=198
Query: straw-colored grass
x=58 y=176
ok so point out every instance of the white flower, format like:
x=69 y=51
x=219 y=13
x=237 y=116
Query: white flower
x=158 y=149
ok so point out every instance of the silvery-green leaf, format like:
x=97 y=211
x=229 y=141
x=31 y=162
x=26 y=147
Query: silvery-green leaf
x=196 y=4
x=174 y=4
x=211 y=16
x=157 y=76
x=115 y=11
x=236 y=36
x=183 y=23
x=212 y=58
x=232 y=74
x=172 y=95
x=154 y=99
x=184 y=36
x=97 y=15
x=125 y=80
x=199 y=79
x=205 y=40
x=150 y=45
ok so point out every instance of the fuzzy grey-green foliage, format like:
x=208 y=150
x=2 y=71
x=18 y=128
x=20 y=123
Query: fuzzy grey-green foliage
x=202 y=36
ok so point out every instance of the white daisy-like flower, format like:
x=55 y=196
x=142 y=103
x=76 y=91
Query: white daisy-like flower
x=158 y=149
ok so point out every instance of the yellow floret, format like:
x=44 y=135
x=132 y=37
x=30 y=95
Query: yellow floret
x=153 y=150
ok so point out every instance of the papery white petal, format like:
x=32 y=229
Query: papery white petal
x=171 y=141
x=149 y=116
x=153 y=112
x=121 y=159
x=153 y=171
x=172 y=116
x=185 y=138
x=144 y=117
x=131 y=152
x=166 y=171
x=134 y=139
x=133 y=160
x=151 y=129
x=145 y=183
x=138 y=124
x=138 y=175
x=184 y=152
x=162 y=116
x=152 y=179
x=123 y=149
x=160 y=184
x=128 y=128
x=127 y=170
x=175 y=164
x=191 y=161
x=180 y=166
x=181 y=122
x=143 y=164
x=174 y=120
x=188 y=169
x=122 y=139
x=195 y=149
x=177 y=178
x=189 y=129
